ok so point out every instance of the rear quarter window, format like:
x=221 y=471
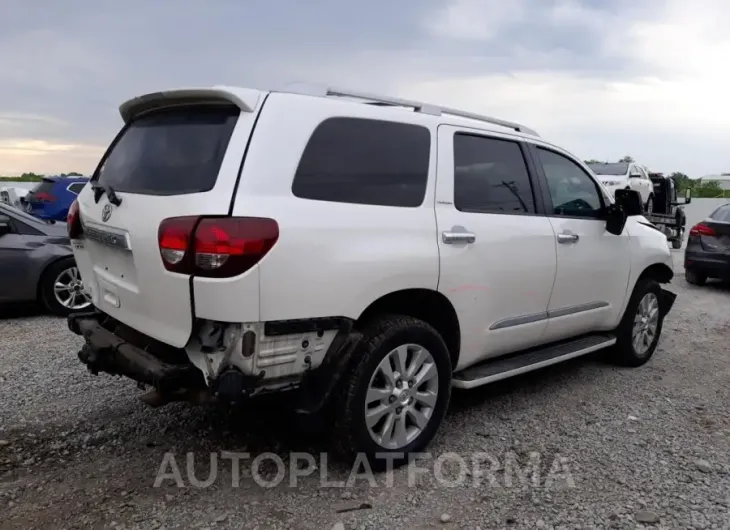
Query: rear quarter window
x=173 y=151
x=76 y=187
x=364 y=161
x=722 y=214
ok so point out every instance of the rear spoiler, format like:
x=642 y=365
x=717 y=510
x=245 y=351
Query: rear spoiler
x=244 y=98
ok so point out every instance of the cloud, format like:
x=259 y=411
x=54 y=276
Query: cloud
x=604 y=78
x=474 y=20
x=23 y=155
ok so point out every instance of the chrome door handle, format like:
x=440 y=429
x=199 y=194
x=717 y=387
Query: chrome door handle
x=458 y=237
x=566 y=238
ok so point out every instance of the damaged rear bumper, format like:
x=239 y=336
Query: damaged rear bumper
x=107 y=352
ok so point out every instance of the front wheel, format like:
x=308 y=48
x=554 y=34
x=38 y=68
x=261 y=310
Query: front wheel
x=640 y=328
x=61 y=288
x=395 y=395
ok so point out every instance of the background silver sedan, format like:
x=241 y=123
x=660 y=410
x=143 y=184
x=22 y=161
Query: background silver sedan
x=36 y=263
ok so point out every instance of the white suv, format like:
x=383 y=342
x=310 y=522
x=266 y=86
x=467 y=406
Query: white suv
x=628 y=176
x=370 y=253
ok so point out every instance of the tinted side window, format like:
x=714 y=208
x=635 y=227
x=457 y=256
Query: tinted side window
x=572 y=190
x=490 y=176
x=24 y=229
x=76 y=187
x=363 y=161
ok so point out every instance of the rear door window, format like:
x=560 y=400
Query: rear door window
x=365 y=161
x=490 y=176
x=173 y=151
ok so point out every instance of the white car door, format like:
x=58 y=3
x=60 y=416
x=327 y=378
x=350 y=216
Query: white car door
x=638 y=182
x=498 y=249
x=593 y=265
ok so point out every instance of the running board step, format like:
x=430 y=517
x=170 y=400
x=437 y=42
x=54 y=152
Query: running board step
x=518 y=363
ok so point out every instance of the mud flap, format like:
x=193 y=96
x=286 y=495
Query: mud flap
x=666 y=301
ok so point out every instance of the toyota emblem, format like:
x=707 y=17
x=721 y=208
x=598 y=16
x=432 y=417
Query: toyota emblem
x=106 y=212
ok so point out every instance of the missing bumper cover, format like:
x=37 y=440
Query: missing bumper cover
x=106 y=352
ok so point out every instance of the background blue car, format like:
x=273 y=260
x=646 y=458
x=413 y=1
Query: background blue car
x=51 y=198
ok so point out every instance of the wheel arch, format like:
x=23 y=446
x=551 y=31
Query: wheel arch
x=424 y=304
x=661 y=272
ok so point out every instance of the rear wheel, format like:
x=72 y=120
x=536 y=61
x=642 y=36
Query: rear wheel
x=62 y=290
x=650 y=205
x=677 y=243
x=639 y=331
x=694 y=277
x=396 y=393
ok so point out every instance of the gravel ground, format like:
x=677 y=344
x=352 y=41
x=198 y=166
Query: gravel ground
x=615 y=448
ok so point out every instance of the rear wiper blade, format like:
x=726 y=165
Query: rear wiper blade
x=101 y=189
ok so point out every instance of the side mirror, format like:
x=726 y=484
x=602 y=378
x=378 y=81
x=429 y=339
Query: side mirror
x=687 y=198
x=630 y=202
x=635 y=176
x=615 y=220
x=4 y=224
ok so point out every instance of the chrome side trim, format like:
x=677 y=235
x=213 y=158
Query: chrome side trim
x=537 y=317
x=571 y=310
x=520 y=320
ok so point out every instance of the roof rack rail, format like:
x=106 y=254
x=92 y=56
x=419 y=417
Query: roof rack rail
x=418 y=106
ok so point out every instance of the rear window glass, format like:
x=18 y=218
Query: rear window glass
x=170 y=152
x=365 y=162
x=616 y=169
x=722 y=214
x=42 y=187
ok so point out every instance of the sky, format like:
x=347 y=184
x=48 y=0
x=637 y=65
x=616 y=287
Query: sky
x=601 y=78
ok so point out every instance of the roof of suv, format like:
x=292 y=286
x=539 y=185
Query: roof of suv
x=247 y=99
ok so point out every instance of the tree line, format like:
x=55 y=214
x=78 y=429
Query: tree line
x=35 y=177
x=709 y=188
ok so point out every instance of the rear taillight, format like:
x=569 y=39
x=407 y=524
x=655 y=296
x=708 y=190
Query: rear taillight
x=701 y=229
x=218 y=247
x=44 y=197
x=73 y=221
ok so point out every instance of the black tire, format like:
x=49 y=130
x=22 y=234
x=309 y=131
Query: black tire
x=47 y=281
x=624 y=352
x=676 y=243
x=351 y=435
x=694 y=277
x=649 y=208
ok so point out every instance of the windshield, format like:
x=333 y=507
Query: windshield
x=616 y=169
